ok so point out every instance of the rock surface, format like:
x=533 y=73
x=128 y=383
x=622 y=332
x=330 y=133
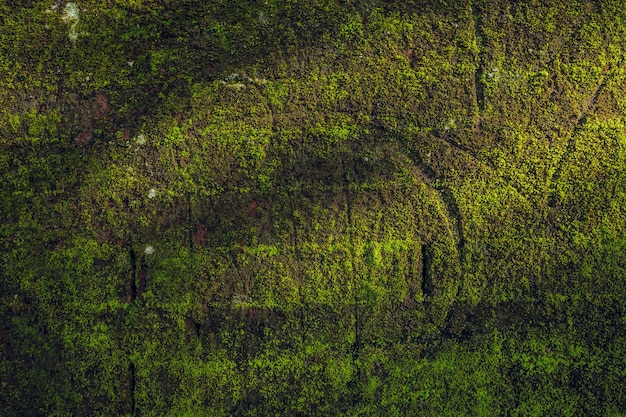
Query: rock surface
x=363 y=208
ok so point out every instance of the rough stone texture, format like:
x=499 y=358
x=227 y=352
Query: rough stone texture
x=363 y=208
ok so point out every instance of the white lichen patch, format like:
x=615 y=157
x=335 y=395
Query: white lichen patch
x=451 y=124
x=141 y=139
x=71 y=16
x=70 y=13
x=149 y=250
x=494 y=74
x=152 y=193
x=237 y=81
x=240 y=300
x=237 y=86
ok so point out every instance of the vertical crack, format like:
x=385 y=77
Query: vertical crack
x=453 y=216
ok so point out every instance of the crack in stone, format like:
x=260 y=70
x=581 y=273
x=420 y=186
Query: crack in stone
x=453 y=216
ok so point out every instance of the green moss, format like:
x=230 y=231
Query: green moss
x=359 y=209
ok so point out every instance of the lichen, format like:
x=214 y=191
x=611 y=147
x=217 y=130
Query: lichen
x=312 y=208
x=71 y=16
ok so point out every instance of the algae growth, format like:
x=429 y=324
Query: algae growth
x=311 y=208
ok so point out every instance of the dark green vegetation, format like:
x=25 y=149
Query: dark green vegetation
x=358 y=208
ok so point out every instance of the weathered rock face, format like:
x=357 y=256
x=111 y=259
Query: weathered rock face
x=361 y=208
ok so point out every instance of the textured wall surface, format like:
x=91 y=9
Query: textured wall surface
x=312 y=208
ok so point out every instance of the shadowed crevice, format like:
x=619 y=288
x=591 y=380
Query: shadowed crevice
x=453 y=217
